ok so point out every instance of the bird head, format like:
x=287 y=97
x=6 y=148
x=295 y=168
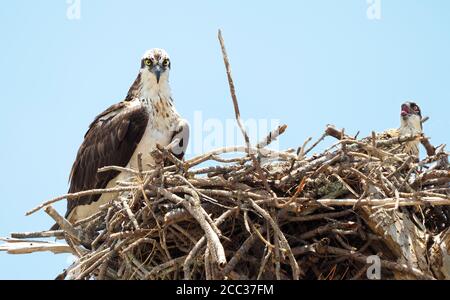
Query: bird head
x=157 y=63
x=411 y=116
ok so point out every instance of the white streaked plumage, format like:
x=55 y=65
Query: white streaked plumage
x=146 y=118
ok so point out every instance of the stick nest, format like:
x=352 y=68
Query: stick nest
x=218 y=218
x=254 y=213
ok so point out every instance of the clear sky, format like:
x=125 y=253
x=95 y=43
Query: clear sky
x=303 y=63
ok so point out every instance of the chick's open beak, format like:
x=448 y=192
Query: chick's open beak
x=405 y=110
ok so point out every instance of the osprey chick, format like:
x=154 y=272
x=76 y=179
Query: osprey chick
x=410 y=125
x=145 y=118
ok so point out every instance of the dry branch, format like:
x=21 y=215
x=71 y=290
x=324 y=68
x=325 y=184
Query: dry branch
x=296 y=216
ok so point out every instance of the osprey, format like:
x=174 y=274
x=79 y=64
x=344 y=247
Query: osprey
x=145 y=118
x=410 y=125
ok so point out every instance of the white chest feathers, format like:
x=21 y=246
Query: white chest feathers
x=411 y=126
x=163 y=121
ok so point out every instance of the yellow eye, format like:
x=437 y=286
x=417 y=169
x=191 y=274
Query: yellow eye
x=166 y=62
x=148 y=62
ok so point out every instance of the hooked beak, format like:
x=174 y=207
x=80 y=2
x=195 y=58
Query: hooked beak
x=157 y=71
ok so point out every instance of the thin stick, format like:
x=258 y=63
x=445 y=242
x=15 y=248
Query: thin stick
x=26 y=247
x=238 y=113
x=218 y=253
x=201 y=242
x=64 y=224
x=273 y=135
x=130 y=213
x=284 y=243
x=43 y=234
x=79 y=195
x=323 y=136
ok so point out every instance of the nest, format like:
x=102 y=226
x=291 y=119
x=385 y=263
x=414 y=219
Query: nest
x=254 y=213
x=262 y=214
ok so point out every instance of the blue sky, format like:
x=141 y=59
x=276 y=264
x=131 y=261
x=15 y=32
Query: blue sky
x=304 y=63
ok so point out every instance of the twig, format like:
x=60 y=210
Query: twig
x=283 y=241
x=214 y=243
x=130 y=213
x=273 y=135
x=80 y=194
x=65 y=225
x=43 y=234
x=238 y=114
x=25 y=247
x=201 y=242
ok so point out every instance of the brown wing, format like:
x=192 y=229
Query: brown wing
x=110 y=141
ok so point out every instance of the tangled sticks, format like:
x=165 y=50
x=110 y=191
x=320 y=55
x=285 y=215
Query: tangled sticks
x=264 y=214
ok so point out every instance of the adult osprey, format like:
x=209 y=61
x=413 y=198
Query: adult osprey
x=145 y=118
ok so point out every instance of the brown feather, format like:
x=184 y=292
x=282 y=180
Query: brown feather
x=110 y=141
